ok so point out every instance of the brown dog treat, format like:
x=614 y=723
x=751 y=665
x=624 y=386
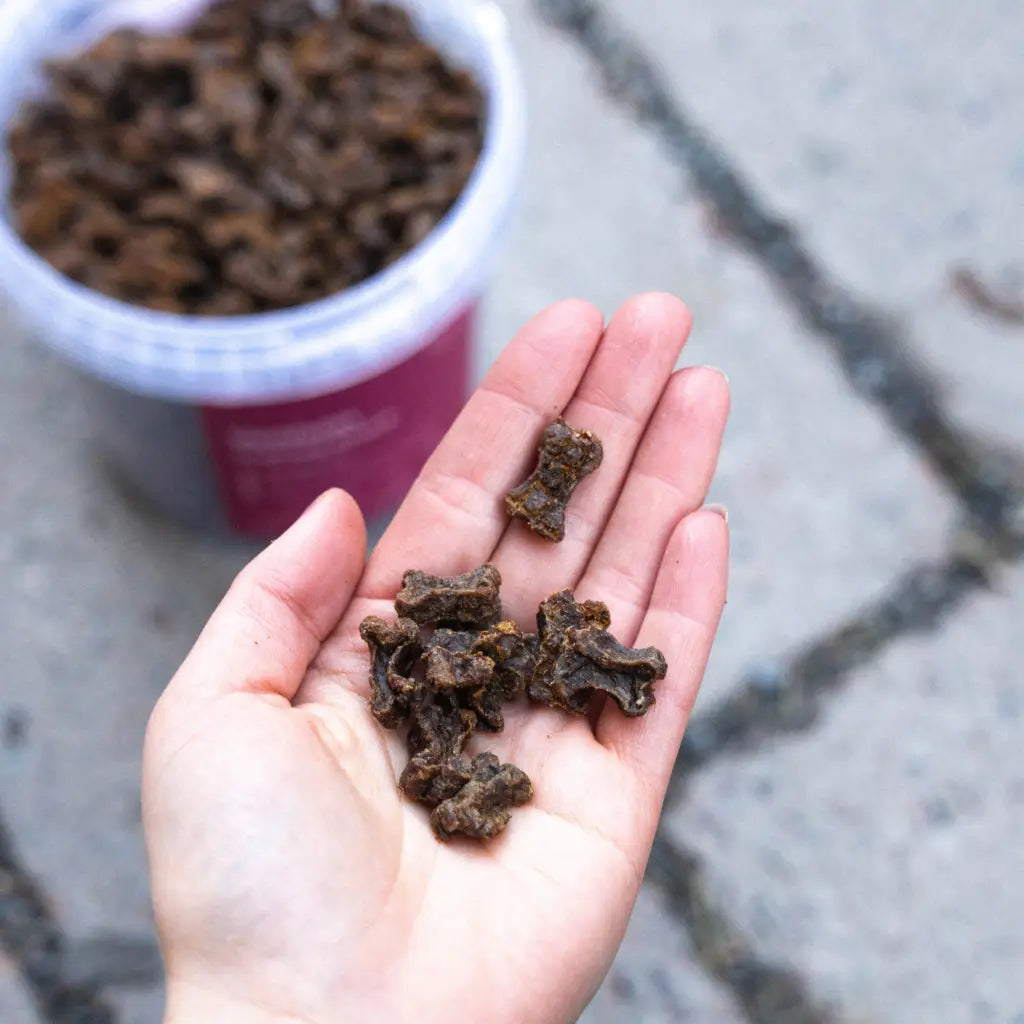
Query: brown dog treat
x=566 y=456
x=394 y=651
x=482 y=808
x=472 y=598
x=436 y=770
x=579 y=658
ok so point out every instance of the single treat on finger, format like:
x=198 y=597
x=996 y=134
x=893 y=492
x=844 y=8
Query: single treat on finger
x=481 y=809
x=394 y=651
x=579 y=658
x=566 y=456
x=472 y=599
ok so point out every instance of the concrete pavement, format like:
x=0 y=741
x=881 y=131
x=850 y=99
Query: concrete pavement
x=843 y=839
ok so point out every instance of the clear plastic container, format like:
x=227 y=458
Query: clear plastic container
x=244 y=420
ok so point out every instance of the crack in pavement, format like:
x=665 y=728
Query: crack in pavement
x=768 y=993
x=870 y=348
x=31 y=936
x=788 y=700
x=774 y=701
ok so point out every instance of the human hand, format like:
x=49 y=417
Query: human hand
x=291 y=879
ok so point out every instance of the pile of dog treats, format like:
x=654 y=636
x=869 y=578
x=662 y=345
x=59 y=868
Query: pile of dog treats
x=451 y=661
x=266 y=156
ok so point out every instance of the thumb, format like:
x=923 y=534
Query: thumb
x=280 y=608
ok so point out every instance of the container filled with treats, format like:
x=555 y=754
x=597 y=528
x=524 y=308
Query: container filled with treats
x=261 y=229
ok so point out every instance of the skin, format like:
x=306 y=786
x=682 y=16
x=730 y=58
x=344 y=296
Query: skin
x=291 y=882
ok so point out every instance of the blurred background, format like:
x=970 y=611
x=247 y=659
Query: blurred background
x=837 y=191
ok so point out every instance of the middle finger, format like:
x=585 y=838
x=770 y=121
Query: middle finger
x=615 y=400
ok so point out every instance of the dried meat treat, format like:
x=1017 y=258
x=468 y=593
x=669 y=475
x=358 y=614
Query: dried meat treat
x=470 y=599
x=566 y=456
x=436 y=770
x=457 y=667
x=394 y=650
x=579 y=657
x=561 y=612
x=455 y=670
x=513 y=653
x=485 y=702
x=470 y=668
x=482 y=808
x=626 y=674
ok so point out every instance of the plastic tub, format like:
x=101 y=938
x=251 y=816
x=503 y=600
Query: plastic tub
x=242 y=421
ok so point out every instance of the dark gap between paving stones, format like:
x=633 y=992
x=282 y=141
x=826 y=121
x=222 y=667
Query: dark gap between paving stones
x=774 y=701
x=33 y=939
x=767 y=993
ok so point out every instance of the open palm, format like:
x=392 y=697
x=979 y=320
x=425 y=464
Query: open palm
x=291 y=879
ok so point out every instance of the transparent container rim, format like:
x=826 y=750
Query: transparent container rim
x=421 y=289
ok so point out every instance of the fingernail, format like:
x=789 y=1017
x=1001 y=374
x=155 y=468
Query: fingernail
x=719 y=510
x=717 y=369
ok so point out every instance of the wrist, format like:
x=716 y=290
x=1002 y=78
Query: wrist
x=190 y=1004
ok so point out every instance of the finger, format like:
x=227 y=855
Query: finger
x=615 y=400
x=453 y=515
x=668 y=480
x=686 y=604
x=272 y=621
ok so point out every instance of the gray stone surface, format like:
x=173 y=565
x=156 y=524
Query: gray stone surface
x=16 y=1006
x=139 y=1006
x=876 y=854
x=814 y=480
x=886 y=130
x=655 y=979
x=881 y=855
x=100 y=603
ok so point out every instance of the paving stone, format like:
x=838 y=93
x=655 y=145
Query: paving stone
x=884 y=130
x=100 y=603
x=655 y=980
x=16 y=1006
x=881 y=854
x=139 y=1007
x=826 y=504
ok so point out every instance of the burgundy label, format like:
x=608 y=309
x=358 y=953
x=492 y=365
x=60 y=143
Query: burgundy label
x=273 y=460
